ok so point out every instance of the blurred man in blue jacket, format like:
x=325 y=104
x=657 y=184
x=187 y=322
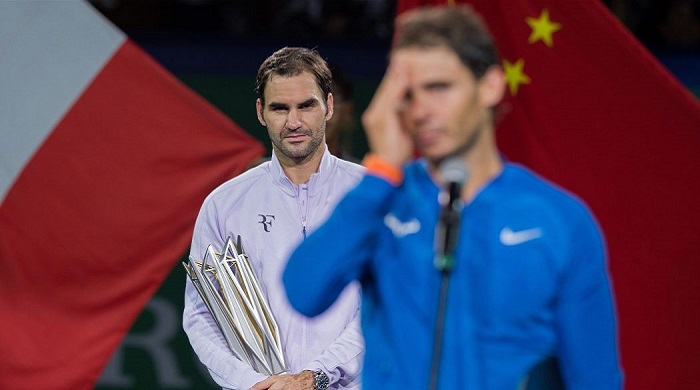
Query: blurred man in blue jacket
x=527 y=276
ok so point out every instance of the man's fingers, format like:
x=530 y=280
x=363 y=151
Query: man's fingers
x=392 y=90
x=263 y=384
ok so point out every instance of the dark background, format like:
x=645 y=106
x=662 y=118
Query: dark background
x=659 y=24
x=216 y=46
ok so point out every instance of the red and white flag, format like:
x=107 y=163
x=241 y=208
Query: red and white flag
x=105 y=159
x=590 y=109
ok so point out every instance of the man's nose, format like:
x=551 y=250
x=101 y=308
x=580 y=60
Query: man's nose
x=293 y=120
x=417 y=108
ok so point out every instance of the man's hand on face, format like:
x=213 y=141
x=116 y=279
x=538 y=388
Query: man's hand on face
x=388 y=139
x=301 y=381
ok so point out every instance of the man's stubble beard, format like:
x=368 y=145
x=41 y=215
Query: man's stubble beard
x=295 y=154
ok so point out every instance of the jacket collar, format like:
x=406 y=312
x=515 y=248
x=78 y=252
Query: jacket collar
x=315 y=183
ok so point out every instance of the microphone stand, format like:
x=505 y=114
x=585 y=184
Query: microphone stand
x=444 y=262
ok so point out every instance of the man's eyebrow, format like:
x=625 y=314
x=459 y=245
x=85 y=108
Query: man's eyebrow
x=308 y=103
x=437 y=83
x=275 y=105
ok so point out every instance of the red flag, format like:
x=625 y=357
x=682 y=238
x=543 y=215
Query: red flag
x=589 y=108
x=105 y=160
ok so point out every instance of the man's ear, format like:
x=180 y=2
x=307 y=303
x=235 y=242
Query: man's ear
x=258 y=110
x=329 y=106
x=492 y=86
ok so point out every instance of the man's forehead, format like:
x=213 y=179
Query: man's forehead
x=414 y=54
x=303 y=79
x=302 y=86
x=429 y=63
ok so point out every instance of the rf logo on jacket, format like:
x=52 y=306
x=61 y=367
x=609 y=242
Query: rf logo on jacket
x=266 y=221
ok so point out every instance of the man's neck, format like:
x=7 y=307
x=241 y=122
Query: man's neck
x=484 y=163
x=300 y=171
x=482 y=169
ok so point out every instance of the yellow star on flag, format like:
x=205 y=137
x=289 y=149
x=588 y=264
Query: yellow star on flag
x=542 y=28
x=514 y=75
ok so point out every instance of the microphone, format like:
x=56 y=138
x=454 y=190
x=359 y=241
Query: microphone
x=454 y=174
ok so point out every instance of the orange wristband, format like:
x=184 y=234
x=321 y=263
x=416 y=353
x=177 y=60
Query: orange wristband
x=378 y=167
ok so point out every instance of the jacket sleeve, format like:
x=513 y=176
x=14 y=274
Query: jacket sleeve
x=342 y=360
x=204 y=335
x=588 y=352
x=347 y=241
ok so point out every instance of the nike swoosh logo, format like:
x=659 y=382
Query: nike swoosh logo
x=510 y=238
x=401 y=229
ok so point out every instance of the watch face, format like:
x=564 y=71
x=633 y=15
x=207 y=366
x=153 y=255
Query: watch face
x=320 y=380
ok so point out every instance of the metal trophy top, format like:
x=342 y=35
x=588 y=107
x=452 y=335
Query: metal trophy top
x=228 y=286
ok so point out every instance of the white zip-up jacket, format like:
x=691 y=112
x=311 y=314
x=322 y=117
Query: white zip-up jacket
x=272 y=216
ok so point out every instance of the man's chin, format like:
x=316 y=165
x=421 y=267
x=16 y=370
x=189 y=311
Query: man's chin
x=434 y=153
x=296 y=153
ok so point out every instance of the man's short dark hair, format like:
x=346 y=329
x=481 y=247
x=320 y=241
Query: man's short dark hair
x=458 y=28
x=293 y=61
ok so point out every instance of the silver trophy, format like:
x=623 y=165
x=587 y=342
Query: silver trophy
x=228 y=286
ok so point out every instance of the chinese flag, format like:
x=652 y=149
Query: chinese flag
x=105 y=159
x=589 y=108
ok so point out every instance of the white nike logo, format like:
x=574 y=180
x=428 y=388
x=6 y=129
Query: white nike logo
x=510 y=238
x=401 y=229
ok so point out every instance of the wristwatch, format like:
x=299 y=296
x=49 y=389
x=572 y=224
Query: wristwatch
x=320 y=380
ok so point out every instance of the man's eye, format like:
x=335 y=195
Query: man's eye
x=438 y=87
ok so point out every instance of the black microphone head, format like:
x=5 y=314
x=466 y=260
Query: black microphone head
x=453 y=170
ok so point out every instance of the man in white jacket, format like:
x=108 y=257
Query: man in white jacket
x=273 y=207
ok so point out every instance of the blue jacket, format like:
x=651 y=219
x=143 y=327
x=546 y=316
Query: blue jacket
x=530 y=282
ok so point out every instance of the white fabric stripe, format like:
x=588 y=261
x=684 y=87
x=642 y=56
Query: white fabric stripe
x=50 y=51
